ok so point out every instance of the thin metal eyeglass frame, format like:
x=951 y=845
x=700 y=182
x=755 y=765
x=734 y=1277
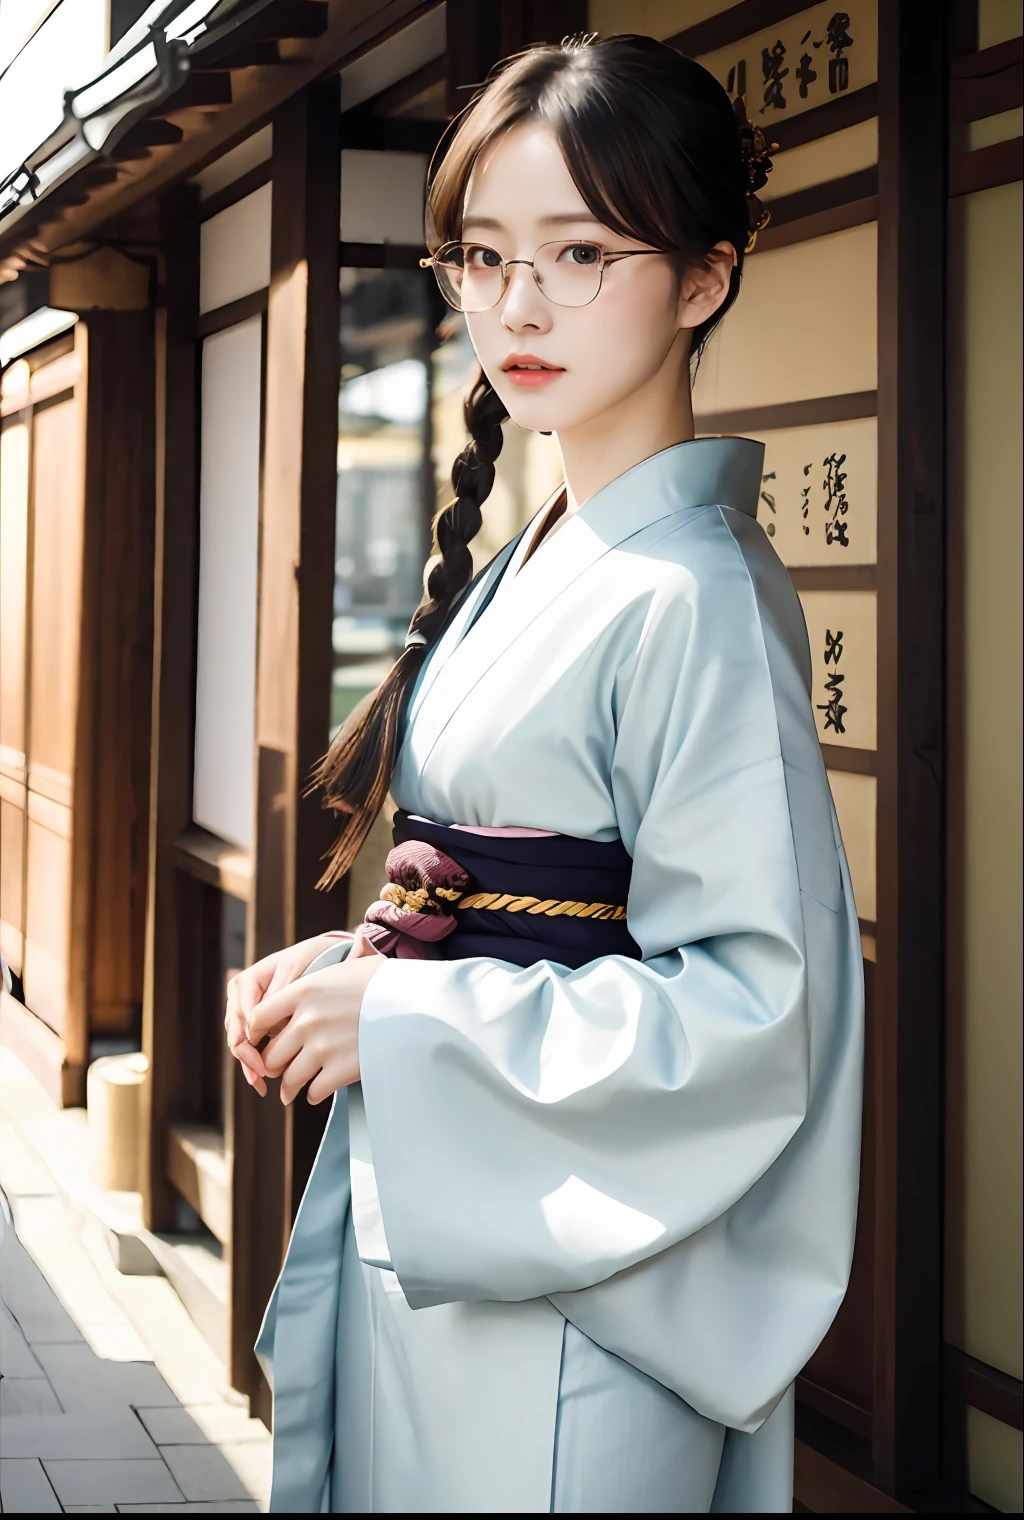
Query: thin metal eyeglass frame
x=506 y=264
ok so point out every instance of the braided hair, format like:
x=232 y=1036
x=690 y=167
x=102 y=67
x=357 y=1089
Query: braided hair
x=356 y=771
x=653 y=145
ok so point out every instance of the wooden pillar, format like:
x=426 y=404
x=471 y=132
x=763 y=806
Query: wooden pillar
x=273 y=1146
x=174 y=655
x=912 y=90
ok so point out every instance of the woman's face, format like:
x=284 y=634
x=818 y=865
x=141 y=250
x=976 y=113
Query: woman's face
x=521 y=196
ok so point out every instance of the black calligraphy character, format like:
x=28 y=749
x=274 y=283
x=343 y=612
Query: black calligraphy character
x=769 y=501
x=836 y=504
x=805 y=502
x=736 y=84
x=805 y=73
x=838 y=37
x=774 y=74
x=833 y=709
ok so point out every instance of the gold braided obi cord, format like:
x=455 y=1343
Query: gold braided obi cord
x=517 y=895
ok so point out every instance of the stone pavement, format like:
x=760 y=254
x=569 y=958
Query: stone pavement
x=110 y=1399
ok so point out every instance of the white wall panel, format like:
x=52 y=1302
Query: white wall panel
x=382 y=196
x=228 y=558
x=803 y=326
x=234 y=251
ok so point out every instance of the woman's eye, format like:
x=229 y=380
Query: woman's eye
x=482 y=258
x=581 y=253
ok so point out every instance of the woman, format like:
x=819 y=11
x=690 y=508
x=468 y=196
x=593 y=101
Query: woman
x=589 y=1205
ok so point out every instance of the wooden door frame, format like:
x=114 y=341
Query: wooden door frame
x=910 y=983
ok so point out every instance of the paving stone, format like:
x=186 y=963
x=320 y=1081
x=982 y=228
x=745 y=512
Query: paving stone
x=30 y=1298
x=16 y=1359
x=198 y=1422
x=48 y=1233
x=79 y=1377
x=253 y=1462
x=25 y=1489
x=117 y=1343
x=211 y=1507
x=76 y=1435
x=113 y=1482
x=27 y=1396
x=203 y=1472
x=96 y=1509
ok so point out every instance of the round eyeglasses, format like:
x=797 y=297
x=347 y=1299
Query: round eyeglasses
x=473 y=277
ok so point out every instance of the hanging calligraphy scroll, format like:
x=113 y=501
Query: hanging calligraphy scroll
x=804 y=61
x=819 y=493
x=841 y=627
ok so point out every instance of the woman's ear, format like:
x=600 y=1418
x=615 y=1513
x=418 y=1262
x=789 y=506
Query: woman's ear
x=705 y=286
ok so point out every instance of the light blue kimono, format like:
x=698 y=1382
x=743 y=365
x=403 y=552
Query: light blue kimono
x=600 y=1218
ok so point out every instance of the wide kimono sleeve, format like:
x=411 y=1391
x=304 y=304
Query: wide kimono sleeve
x=537 y=1131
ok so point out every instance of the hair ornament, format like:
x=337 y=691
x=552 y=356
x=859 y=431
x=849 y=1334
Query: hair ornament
x=579 y=40
x=756 y=152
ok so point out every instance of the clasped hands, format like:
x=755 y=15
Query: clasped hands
x=312 y=1021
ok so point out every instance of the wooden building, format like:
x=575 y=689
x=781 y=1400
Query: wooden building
x=229 y=402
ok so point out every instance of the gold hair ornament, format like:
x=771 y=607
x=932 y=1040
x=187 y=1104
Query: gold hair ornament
x=756 y=152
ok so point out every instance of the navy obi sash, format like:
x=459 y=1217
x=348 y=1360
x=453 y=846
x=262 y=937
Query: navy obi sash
x=534 y=898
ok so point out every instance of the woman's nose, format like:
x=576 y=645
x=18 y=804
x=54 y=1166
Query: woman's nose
x=523 y=305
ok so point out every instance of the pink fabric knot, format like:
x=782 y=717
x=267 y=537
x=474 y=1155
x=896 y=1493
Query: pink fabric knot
x=417 y=906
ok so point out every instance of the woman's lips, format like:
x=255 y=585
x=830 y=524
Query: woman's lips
x=527 y=372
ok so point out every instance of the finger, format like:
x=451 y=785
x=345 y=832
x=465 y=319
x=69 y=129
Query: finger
x=284 y=1047
x=254 y=1081
x=241 y=1048
x=272 y=1011
x=325 y=1085
x=286 y=971
x=252 y=984
x=231 y=1008
x=302 y=1070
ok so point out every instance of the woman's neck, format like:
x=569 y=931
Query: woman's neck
x=656 y=417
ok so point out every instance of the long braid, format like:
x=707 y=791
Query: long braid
x=356 y=771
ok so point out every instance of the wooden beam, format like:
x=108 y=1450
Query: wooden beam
x=908 y=1067
x=221 y=317
x=274 y=1147
x=174 y=655
x=827 y=1488
x=786 y=414
x=730 y=25
x=1000 y=163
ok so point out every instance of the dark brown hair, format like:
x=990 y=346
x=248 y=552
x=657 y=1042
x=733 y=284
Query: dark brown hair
x=652 y=143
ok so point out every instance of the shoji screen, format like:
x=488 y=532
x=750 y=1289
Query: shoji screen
x=228 y=543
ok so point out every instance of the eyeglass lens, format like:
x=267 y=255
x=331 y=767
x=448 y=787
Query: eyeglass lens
x=470 y=274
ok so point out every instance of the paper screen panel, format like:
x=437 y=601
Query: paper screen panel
x=48 y=915
x=234 y=251
x=856 y=800
x=803 y=326
x=806 y=60
x=13 y=538
x=228 y=544
x=382 y=196
x=57 y=506
x=823 y=158
x=842 y=629
x=12 y=866
x=819 y=493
